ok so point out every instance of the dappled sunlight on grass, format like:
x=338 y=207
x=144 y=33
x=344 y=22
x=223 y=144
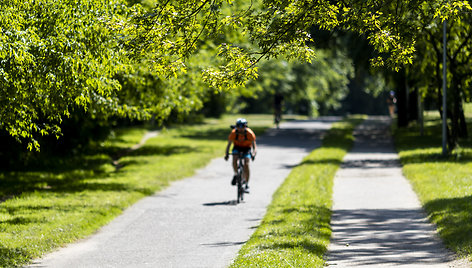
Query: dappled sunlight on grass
x=454 y=220
x=13 y=183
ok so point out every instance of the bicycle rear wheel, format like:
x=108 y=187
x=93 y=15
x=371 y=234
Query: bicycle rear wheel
x=240 y=196
x=240 y=189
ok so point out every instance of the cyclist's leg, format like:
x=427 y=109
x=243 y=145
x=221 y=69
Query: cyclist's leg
x=246 y=168
x=247 y=156
x=235 y=153
x=235 y=163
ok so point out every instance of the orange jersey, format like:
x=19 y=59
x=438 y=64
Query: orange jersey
x=242 y=139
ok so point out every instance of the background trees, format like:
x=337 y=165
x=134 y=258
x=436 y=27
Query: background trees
x=307 y=88
x=143 y=59
x=426 y=73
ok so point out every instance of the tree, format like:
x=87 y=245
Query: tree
x=57 y=56
x=61 y=56
x=173 y=29
x=277 y=28
x=426 y=71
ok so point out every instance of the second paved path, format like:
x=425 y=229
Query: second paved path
x=195 y=222
x=377 y=219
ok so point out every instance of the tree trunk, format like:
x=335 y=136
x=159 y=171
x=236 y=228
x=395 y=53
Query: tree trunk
x=402 y=98
x=463 y=124
x=420 y=112
x=412 y=105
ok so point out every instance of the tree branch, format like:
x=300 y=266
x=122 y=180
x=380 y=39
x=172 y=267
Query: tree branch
x=462 y=45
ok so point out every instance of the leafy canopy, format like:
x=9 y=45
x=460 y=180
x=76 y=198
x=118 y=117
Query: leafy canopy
x=56 y=56
x=59 y=56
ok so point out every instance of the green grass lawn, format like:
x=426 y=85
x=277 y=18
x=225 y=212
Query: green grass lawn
x=45 y=208
x=295 y=231
x=443 y=184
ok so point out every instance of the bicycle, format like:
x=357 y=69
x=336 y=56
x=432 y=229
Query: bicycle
x=240 y=181
x=277 y=119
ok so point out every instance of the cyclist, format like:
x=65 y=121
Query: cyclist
x=243 y=139
x=278 y=99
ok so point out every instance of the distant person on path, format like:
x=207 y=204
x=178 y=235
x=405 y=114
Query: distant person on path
x=391 y=101
x=278 y=99
x=244 y=140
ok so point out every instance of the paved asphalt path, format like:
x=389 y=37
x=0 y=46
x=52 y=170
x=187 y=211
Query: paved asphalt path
x=195 y=222
x=377 y=219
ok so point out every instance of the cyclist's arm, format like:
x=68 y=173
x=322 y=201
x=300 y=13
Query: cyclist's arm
x=227 y=147
x=254 y=148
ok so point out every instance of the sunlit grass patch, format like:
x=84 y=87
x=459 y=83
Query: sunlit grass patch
x=295 y=231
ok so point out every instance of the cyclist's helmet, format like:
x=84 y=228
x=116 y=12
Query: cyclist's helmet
x=241 y=122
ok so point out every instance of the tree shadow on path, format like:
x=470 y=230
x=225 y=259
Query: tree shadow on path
x=385 y=236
